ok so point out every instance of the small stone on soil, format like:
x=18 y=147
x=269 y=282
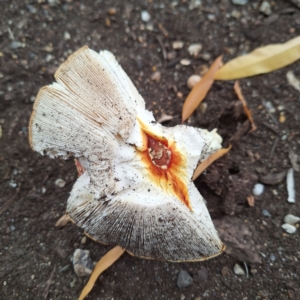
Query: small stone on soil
x=177 y=45
x=291 y=219
x=67 y=36
x=194 y=49
x=239 y=2
x=185 y=61
x=238 y=270
x=60 y=182
x=184 y=279
x=258 y=189
x=193 y=80
x=145 y=16
x=265 y=8
x=289 y=228
x=156 y=76
x=266 y=213
x=82 y=263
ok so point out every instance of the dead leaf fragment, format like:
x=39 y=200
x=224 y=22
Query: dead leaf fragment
x=62 y=221
x=234 y=232
x=294 y=160
x=207 y=162
x=273 y=178
x=260 y=61
x=251 y=200
x=104 y=263
x=238 y=91
x=200 y=90
x=293 y=80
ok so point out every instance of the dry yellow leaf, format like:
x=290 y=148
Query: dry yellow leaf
x=105 y=262
x=238 y=91
x=260 y=61
x=200 y=90
x=206 y=163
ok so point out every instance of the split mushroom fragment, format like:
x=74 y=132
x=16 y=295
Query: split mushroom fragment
x=135 y=187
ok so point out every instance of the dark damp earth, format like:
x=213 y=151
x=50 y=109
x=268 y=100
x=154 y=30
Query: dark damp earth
x=37 y=36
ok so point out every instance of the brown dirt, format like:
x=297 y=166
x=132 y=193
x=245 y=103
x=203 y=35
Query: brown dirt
x=33 y=253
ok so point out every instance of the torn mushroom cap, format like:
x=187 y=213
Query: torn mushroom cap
x=135 y=189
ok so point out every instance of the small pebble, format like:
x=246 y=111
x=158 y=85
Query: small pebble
x=83 y=240
x=32 y=277
x=177 y=45
x=60 y=182
x=206 y=56
x=289 y=228
x=272 y=257
x=67 y=36
x=266 y=213
x=82 y=263
x=184 y=279
x=194 y=4
x=194 y=49
x=265 y=8
x=16 y=44
x=193 y=80
x=156 y=76
x=202 y=108
x=238 y=270
x=291 y=219
x=239 y=2
x=145 y=16
x=4 y=283
x=236 y=14
x=49 y=57
x=258 y=189
x=185 y=61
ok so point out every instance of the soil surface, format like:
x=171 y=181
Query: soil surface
x=37 y=36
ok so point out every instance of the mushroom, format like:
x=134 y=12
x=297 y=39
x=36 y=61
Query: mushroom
x=134 y=187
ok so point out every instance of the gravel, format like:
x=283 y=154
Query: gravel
x=184 y=279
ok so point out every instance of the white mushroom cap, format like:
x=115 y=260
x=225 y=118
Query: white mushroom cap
x=125 y=196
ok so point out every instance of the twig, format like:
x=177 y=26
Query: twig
x=9 y=202
x=163 y=49
x=48 y=284
x=274 y=147
x=275 y=130
x=268 y=111
x=247 y=270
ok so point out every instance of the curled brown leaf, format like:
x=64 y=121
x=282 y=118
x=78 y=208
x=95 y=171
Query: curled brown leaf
x=207 y=162
x=200 y=90
x=241 y=97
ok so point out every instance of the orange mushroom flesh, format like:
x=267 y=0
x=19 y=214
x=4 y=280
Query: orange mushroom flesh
x=165 y=164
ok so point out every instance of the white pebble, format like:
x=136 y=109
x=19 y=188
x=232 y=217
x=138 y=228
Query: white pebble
x=145 y=16
x=193 y=80
x=291 y=186
x=60 y=182
x=67 y=36
x=289 y=228
x=185 y=61
x=238 y=270
x=291 y=219
x=194 y=49
x=177 y=45
x=265 y=8
x=258 y=189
